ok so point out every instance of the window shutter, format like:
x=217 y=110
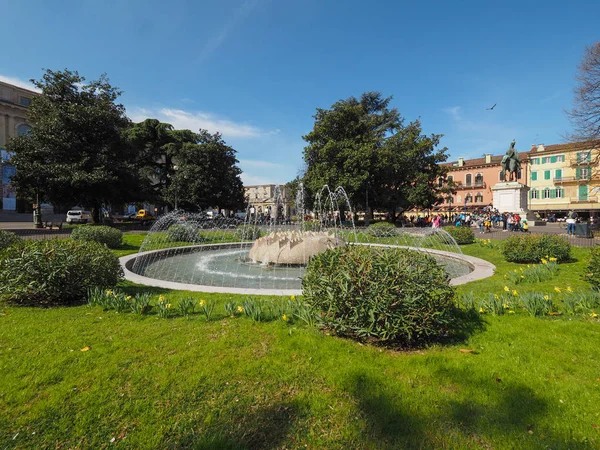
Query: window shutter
x=578 y=173
x=533 y=176
x=589 y=156
x=553 y=159
x=552 y=193
x=546 y=174
x=558 y=173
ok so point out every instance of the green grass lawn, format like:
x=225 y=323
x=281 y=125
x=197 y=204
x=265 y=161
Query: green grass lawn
x=146 y=382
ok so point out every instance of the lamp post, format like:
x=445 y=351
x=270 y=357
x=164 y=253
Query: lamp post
x=37 y=213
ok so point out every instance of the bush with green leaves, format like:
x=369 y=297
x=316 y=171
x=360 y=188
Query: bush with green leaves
x=7 y=238
x=532 y=248
x=98 y=233
x=381 y=229
x=248 y=232
x=184 y=232
x=462 y=235
x=592 y=275
x=388 y=296
x=55 y=271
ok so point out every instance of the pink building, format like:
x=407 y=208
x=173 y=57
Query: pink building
x=473 y=179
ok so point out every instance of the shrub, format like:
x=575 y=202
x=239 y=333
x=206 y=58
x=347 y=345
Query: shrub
x=248 y=232
x=381 y=229
x=184 y=232
x=7 y=238
x=593 y=270
x=390 y=296
x=98 y=233
x=55 y=271
x=532 y=248
x=462 y=235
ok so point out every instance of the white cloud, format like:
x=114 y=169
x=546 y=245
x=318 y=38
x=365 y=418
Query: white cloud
x=454 y=111
x=251 y=180
x=195 y=120
x=217 y=40
x=18 y=82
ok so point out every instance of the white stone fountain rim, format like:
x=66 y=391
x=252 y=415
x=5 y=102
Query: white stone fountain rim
x=481 y=269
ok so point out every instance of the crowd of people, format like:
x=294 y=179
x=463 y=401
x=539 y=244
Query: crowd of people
x=485 y=219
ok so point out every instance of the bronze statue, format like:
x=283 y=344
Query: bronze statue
x=511 y=164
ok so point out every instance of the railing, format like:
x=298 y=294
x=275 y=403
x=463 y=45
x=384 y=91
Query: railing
x=582 y=178
x=481 y=185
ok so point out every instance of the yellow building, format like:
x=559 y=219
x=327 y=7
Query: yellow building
x=14 y=102
x=564 y=177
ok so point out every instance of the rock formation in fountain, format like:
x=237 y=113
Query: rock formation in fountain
x=292 y=247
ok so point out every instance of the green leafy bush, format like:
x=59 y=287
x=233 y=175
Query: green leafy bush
x=390 y=296
x=532 y=248
x=7 y=238
x=98 y=233
x=55 y=271
x=593 y=270
x=184 y=232
x=381 y=229
x=462 y=235
x=248 y=232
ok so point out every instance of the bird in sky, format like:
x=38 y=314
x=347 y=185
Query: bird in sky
x=489 y=109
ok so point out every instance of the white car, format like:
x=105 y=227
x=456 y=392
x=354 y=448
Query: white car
x=78 y=216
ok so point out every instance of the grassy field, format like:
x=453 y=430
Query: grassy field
x=144 y=382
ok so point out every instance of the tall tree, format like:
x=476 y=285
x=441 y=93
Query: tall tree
x=206 y=174
x=74 y=153
x=585 y=114
x=364 y=146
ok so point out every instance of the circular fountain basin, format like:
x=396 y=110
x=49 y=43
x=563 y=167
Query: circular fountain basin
x=226 y=268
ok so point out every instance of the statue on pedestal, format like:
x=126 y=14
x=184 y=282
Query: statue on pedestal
x=511 y=165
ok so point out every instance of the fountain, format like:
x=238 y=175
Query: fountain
x=218 y=254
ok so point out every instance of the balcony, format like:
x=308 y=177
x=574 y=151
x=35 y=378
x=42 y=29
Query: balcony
x=565 y=180
x=460 y=186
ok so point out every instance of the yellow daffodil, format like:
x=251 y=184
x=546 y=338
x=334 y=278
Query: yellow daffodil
x=128 y=297
x=569 y=289
x=505 y=306
x=240 y=309
x=202 y=303
x=522 y=269
x=284 y=318
x=515 y=293
x=481 y=310
x=506 y=288
x=557 y=289
x=168 y=306
x=292 y=297
x=553 y=259
x=511 y=311
x=546 y=298
x=522 y=276
x=496 y=296
x=594 y=315
x=544 y=261
x=109 y=292
x=161 y=298
x=515 y=271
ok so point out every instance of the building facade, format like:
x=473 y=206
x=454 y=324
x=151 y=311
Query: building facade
x=269 y=200
x=14 y=102
x=472 y=180
x=564 y=177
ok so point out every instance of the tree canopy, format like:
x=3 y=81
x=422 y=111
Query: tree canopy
x=73 y=154
x=364 y=146
x=585 y=114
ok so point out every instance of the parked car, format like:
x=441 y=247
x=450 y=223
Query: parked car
x=78 y=216
x=144 y=215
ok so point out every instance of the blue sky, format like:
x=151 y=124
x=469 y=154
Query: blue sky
x=256 y=70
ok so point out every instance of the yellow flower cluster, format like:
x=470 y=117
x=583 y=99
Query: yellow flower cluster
x=202 y=303
x=285 y=318
x=240 y=309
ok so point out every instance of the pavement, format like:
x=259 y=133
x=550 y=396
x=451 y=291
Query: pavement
x=10 y=220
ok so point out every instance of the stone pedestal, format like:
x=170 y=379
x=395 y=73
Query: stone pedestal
x=511 y=197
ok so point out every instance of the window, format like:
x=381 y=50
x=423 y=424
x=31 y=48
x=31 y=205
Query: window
x=535 y=161
x=440 y=182
x=558 y=174
x=560 y=193
x=23 y=129
x=584 y=157
x=468 y=179
x=582 y=173
x=533 y=176
x=546 y=193
x=479 y=198
x=534 y=194
x=546 y=174
x=478 y=179
x=25 y=101
x=545 y=159
x=583 y=192
x=449 y=200
x=450 y=179
x=469 y=198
